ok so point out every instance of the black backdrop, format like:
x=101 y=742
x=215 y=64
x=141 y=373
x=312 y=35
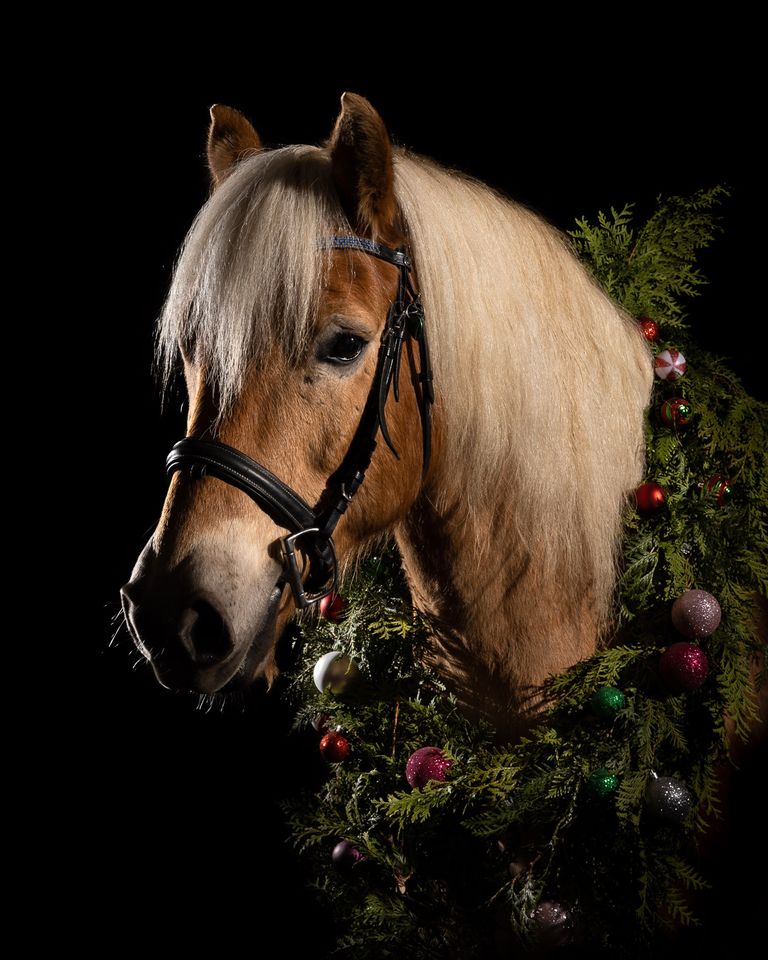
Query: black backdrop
x=175 y=817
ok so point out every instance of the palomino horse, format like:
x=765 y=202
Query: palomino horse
x=509 y=537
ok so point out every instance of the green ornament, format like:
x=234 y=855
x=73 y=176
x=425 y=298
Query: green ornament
x=607 y=701
x=602 y=783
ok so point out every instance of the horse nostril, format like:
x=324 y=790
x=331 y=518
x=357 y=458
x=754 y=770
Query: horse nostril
x=204 y=634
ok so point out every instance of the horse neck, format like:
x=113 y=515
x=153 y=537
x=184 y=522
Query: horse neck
x=502 y=622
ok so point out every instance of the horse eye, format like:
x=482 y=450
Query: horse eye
x=344 y=348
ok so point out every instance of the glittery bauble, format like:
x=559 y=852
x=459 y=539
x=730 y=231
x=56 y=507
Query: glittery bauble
x=607 y=701
x=650 y=498
x=602 y=783
x=676 y=412
x=425 y=764
x=683 y=666
x=345 y=855
x=334 y=747
x=668 y=798
x=649 y=328
x=696 y=614
x=552 y=924
x=720 y=488
x=332 y=606
x=669 y=365
x=335 y=672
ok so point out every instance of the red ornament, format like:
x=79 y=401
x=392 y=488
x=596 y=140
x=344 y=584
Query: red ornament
x=650 y=498
x=649 y=328
x=683 y=666
x=720 y=488
x=334 y=747
x=425 y=764
x=676 y=412
x=332 y=606
x=669 y=365
x=696 y=614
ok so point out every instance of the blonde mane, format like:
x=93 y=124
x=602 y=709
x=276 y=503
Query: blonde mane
x=539 y=375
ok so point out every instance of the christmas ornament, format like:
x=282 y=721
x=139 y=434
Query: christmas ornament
x=649 y=328
x=720 y=488
x=335 y=672
x=602 y=783
x=345 y=855
x=669 y=365
x=331 y=606
x=320 y=722
x=683 y=666
x=607 y=701
x=552 y=924
x=425 y=764
x=696 y=614
x=676 y=412
x=334 y=747
x=650 y=497
x=668 y=798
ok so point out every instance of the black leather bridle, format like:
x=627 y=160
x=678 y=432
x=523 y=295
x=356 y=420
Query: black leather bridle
x=311 y=528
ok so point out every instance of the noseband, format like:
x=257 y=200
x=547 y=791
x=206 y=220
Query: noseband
x=311 y=528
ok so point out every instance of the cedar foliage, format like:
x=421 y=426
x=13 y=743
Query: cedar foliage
x=436 y=879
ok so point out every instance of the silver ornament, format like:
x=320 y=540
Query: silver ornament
x=696 y=614
x=552 y=924
x=668 y=798
x=334 y=671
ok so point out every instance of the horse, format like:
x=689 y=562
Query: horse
x=508 y=531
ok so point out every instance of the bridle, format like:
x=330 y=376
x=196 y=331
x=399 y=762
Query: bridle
x=311 y=528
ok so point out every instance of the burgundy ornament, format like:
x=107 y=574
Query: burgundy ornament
x=332 y=606
x=425 y=764
x=696 y=614
x=649 y=328
x=683 y=666
x=650 y=498
x=334 y=747
x=345 y=855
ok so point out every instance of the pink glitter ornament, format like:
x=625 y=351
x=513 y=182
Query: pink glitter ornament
x=425 y=764
x=683 y=666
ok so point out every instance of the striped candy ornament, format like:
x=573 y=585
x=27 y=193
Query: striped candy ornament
x=669 y=365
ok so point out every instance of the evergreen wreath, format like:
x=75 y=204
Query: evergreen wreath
x=584 y=831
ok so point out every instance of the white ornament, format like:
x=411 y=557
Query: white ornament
x=669 y=365
x=334 y=671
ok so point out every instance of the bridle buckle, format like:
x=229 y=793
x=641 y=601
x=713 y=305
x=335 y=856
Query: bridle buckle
x=293 y=573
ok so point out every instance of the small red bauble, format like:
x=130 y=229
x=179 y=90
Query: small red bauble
x=720 y=488
x=331 y=606
x=650 y=497
x=649 y=328
x=683 y=666
x=669 y=365
x=334 y=747
x=425 y=764
x=676 y=412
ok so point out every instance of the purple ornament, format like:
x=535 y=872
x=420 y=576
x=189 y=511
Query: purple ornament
x=696 y=614
x=425 y=764
x=683 y=666
x=345 y=855
x=552 y=924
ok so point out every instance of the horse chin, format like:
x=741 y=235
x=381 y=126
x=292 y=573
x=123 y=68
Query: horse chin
x=260 y=653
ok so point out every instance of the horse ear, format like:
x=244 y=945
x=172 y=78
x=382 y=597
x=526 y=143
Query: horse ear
x=230 y=138
x=361 y=161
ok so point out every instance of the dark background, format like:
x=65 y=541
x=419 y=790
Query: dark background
x=184 y=801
